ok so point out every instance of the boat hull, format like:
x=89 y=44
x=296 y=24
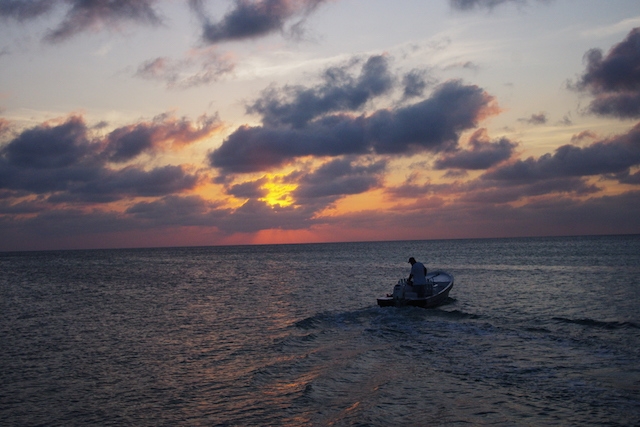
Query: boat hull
x=442 y=284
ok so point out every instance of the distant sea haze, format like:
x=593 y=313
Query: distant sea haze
x=536 y=331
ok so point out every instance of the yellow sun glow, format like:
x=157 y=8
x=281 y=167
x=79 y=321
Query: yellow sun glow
x=278 y=193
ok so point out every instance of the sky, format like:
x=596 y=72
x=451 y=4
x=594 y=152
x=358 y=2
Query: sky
x=154 y=123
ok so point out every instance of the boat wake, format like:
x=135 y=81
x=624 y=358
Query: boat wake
x=598 y=324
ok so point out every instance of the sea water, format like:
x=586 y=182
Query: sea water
x=536 y=331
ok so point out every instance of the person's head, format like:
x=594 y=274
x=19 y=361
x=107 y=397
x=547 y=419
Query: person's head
x=412 y=260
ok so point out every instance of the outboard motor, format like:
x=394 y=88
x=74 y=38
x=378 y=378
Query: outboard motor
x=398 y=290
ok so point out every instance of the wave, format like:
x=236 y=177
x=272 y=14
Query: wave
x=598 y=323
x=455 y=314
x=375 y=314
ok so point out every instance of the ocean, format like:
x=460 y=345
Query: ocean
x=536 y=332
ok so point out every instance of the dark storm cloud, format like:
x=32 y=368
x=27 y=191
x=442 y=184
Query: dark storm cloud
x=612 y=156
x=339 y=91
x=65 y=163
x=431 y=125
x=614 y=79
x=252 y=18
x=482 y=153
x=340 y=177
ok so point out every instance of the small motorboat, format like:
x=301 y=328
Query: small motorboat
x=439 y=283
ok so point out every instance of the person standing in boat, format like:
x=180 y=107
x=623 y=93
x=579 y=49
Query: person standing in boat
x=418 y=277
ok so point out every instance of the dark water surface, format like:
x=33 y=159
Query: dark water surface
x=537 y=331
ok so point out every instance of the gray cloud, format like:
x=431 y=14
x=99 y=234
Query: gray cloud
x=486 y=4
x=44 y=147
x=203 y=69
x=89 y=14
x=627 y=178
x=431 y=125
x=173 y=210
x=582 y=136
x=111 y=185
x=482 y=153
x=614 y=79
x=339 y=91
x=82 y=15
x=66 y=163
x=251 y=18
x=127 y=142
x=615 y=155
x=22 y=10
x=340 y=177
x=255 y=215
x=535 y=119
x=509 y=191
x=415 y=83
x=249 y=189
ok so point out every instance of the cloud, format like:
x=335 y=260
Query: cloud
x=97 y=14
x=22 y=10
x=614 y=79
x=110 y=185
x=127 y=142
x=535 y=119
x=252 y=18
x=611 y=156
x=499 y=192
x=66 y=163
x=584 y=135
x=482 y=155
x=415 y=83
x=628 y=178
x=488 y=191
x=82 y=15
x=249 y=189
x=5 y=126
x=47 y=147
x=339 y=91
x=433 y=124
x=176 y=210
x=256 y=215
x=340 y=177
x=200 y=68
x=488 y=4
